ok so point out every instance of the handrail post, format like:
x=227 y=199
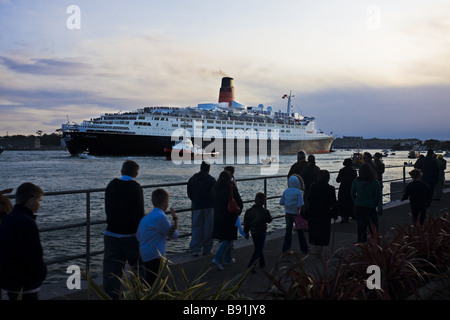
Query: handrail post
x=88 y=231
x=265 y=192
x=404 y=177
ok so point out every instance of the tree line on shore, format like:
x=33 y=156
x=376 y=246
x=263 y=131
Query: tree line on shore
x=394 y=144
x=53 y=140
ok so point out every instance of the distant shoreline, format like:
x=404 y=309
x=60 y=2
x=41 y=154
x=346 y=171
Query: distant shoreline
x=53 y=142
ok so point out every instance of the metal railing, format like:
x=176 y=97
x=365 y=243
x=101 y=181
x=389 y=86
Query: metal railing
x=89 y=222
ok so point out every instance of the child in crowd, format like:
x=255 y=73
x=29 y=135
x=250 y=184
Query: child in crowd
x=292 y=199
x=255 y=221
x=419 y=195
x=153 y=231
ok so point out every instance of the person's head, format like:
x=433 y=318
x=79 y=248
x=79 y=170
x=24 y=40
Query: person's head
x=366 y=173
x=415 y=174
x=205 y=166
x=29 y=195
x=367 y=157
x=348 y=162
x=260 y=198
x=224 y=178
x=377 y=155
x=301 y=155
x=311 y=159
x=160 y=199
x=324 y=176
x=130 y=168
x=230 y=170
x=5 y=206
x=296 y=181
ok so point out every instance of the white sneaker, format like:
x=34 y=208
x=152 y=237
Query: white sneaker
x=218 y=265
x=233 y=260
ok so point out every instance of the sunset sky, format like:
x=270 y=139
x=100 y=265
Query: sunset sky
x=362 y=68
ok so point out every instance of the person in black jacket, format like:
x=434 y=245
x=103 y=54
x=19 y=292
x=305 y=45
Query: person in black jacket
x=419 y=195
x=124 y=207
x=225 y=229
x=429 y=168
x=322 y=208
x=199 y=189
x=297 y=168
x=255 y=221
x=22 y=267
x=345 y=178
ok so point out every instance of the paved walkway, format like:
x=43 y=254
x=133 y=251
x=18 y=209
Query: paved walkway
x=395 y=213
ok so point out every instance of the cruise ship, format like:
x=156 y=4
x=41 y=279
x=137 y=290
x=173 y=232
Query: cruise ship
x=226 y=126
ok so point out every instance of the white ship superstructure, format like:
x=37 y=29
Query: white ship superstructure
x=148 y=130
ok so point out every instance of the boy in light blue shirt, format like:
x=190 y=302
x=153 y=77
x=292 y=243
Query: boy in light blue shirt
x=153 y=232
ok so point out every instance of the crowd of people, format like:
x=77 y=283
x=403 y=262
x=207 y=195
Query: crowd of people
x=138 y=240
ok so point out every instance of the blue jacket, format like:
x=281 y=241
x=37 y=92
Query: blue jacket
x=292 y=197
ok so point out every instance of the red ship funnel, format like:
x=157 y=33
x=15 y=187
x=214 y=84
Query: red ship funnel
x=226 y=93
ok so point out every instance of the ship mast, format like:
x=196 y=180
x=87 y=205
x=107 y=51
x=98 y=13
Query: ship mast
x=289 y=101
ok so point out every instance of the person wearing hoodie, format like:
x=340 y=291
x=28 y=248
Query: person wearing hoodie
x=366 y=194
x=292 y=199
x=199 y=189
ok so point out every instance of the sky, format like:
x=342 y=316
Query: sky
x=362 y=68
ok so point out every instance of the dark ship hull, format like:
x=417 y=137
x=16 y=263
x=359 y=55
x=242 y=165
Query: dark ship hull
x=114 y=144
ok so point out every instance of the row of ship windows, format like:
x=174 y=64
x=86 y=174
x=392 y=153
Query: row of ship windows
x=175 y=125
x=208 y=127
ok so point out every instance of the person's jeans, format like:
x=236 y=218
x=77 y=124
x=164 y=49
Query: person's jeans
x=223 y=254
x=202 y=228
x=287 y=243
x=259 y=239
x=118 y=251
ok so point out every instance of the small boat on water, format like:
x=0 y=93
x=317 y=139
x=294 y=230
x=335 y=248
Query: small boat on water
x=186 y=149
x=268 y=160
x=413 y=154
x=86 y=155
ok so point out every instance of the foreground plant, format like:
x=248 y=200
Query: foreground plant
x=170 y=285
x=407 y=257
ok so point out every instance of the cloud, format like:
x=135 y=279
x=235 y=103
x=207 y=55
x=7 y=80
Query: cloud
x=46 y=67
x=389 y=112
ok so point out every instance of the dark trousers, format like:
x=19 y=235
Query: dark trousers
x=366 y=218
x=418 y=212
x=287 y=243
x=151 y=270
x=302 y=241
x=259 y=238
x=119 y=251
